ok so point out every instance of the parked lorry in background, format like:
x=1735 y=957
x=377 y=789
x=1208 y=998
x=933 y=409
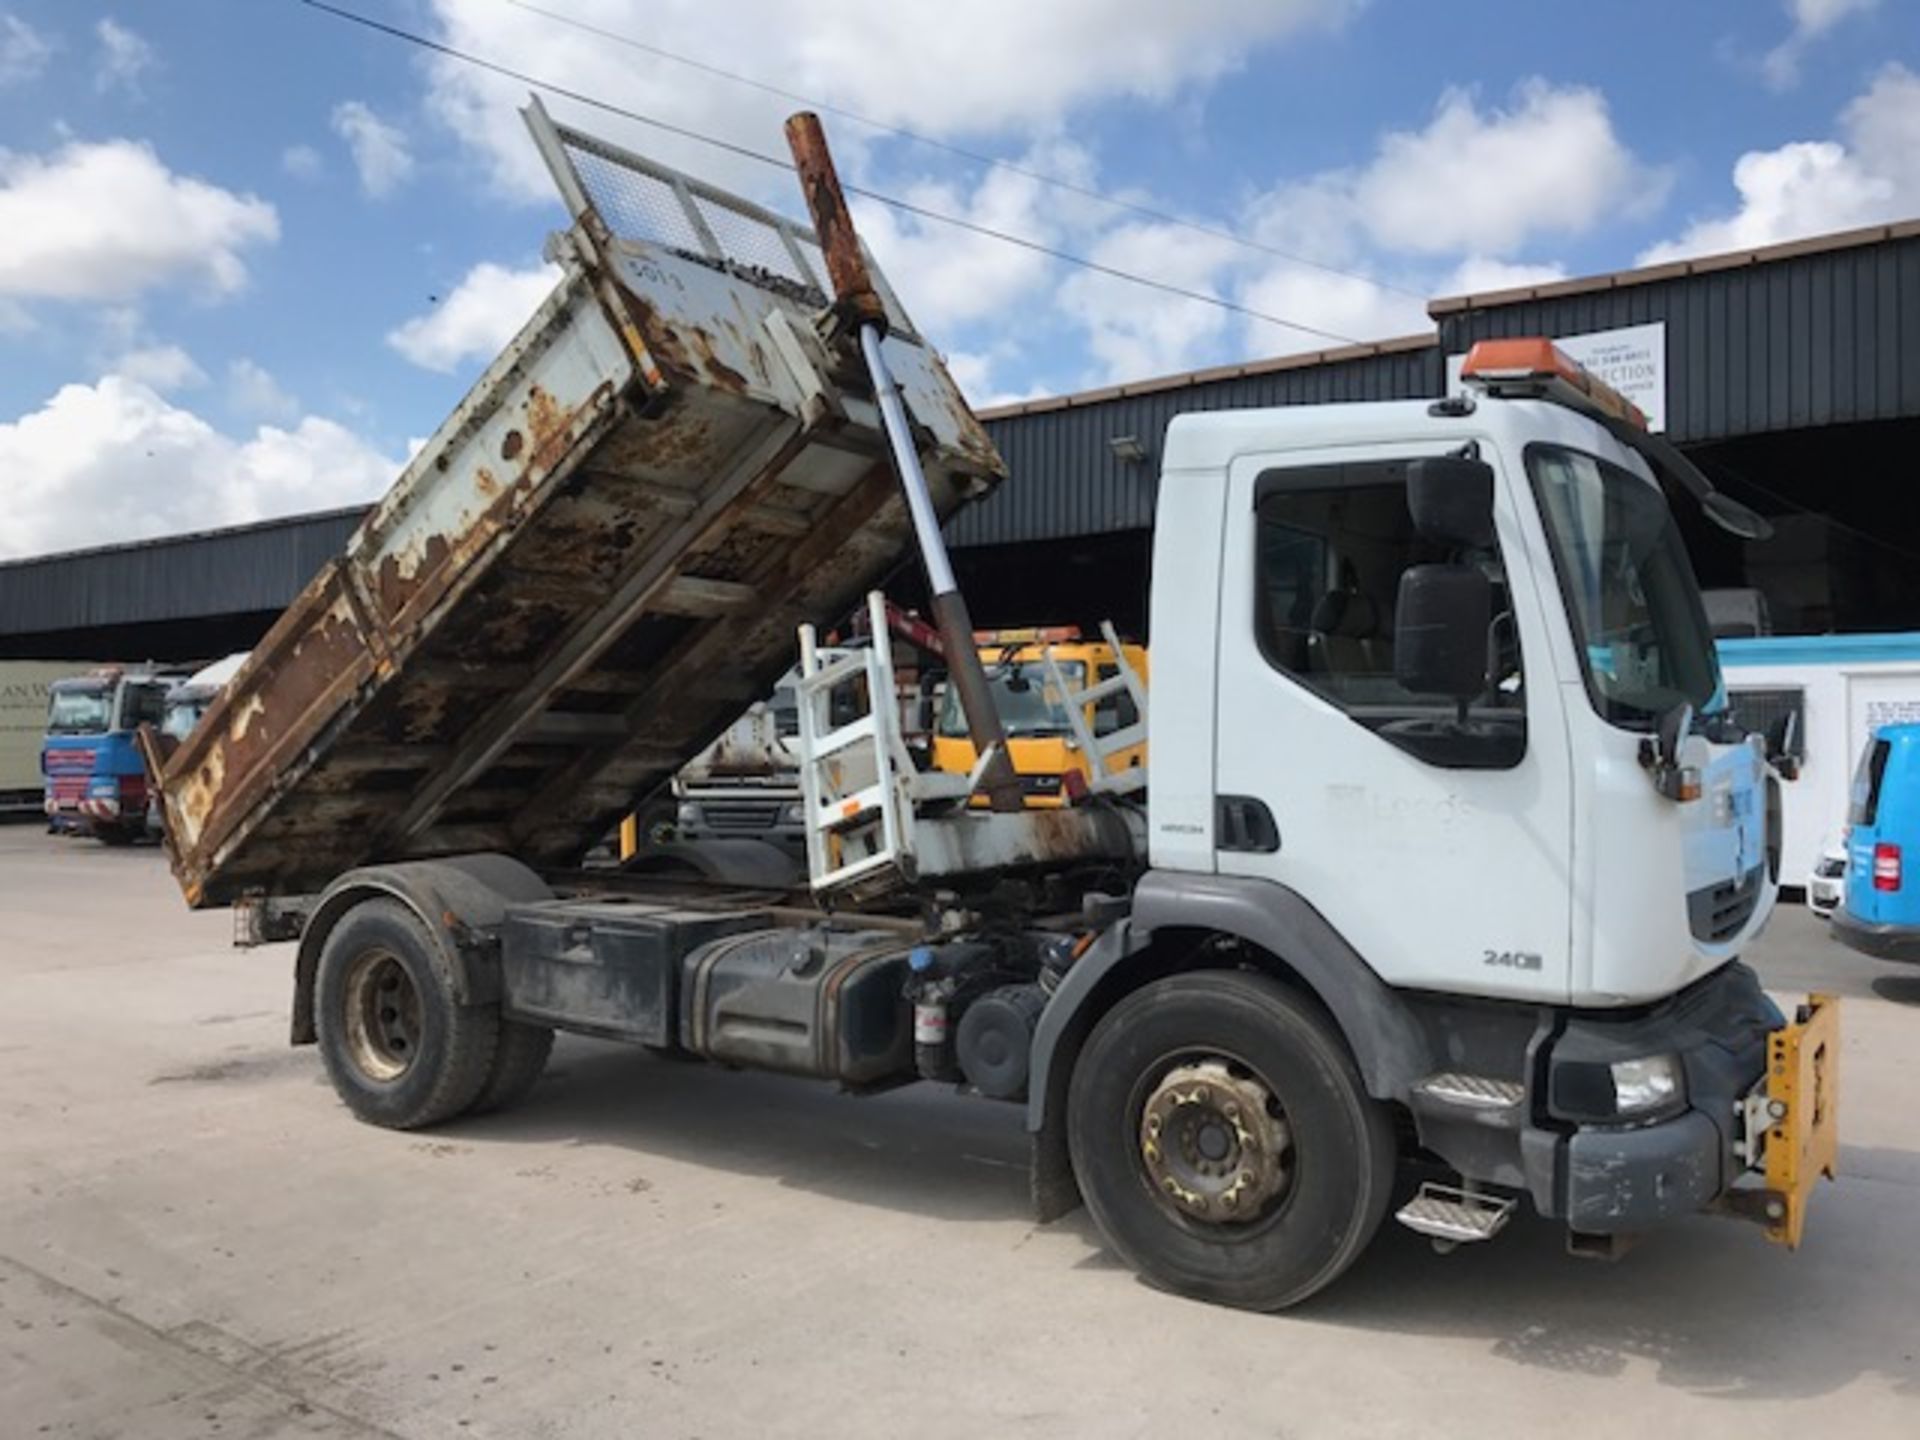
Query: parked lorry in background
x=24 y=687
x=1035 y=674
x=1474 y=891
x=190 y=699
x=96 y=782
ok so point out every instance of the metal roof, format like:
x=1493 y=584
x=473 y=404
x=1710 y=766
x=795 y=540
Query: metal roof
x=1065 y=479
x=239 y=570
x=1818 y=332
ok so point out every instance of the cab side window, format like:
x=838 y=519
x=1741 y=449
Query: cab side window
x=1332 y=544
x=142 y=705
x=1116 y=712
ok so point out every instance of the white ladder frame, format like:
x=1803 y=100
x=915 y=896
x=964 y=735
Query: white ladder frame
x=835 y=812
x=1099 y=749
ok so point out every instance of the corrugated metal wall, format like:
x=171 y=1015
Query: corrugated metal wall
x=1823 y=338
x=1064 y=480
x=222 y=572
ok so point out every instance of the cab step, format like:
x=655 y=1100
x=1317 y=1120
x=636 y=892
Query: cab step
x=1452 y=1216
x=1470 y=1092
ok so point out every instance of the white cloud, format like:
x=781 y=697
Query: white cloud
x=161 y=368
x=483 y=312
x=1485 y=180
x=1811 y=19
x=1132 y=331
x=66 y=231
x=379 y=149
x=1869 y=176
x=252 y=391
x=115 y=461
x=1489 y=182
x=988 y=67
x=947 y=276
x=1477 y=275
x=302 y=162
x=124 y=58
x=24 y=51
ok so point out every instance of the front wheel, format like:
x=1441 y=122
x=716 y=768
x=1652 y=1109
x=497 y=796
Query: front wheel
x=1224 y=1143
x=400 y=1050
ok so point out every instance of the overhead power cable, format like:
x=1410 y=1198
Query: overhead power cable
x=747 y=152
x=976 y=157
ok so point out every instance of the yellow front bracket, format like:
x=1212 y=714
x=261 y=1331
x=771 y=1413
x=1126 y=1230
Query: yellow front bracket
x=1803 y=1103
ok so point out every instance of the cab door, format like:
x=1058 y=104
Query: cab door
x=1433 y=832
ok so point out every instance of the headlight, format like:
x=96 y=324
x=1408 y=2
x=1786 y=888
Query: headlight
x=1649 y=1083
x=795 y=814
x=1599 y=1091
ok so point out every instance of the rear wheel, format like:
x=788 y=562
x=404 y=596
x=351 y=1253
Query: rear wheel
x=400 y=1050
x=518 y=1060
x=1224 y=1143
x=116 y=835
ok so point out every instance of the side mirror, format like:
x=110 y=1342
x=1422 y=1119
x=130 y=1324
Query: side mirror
x=1451 y=500
x=1440 y=621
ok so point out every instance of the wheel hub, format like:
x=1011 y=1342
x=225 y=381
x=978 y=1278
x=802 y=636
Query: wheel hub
x=382 y=1016
x=1214 y=1143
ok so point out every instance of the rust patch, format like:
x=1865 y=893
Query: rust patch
x=511 y=446
x=717 y=369
x=486 y=482
x=548 y=423
x=397 y=585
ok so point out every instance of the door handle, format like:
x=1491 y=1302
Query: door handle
x=1243 y=823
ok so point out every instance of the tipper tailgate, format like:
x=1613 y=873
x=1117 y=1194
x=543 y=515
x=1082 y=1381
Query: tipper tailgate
x=598 y=561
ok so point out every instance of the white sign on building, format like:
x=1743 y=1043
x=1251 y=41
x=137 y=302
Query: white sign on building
x=1632 y=360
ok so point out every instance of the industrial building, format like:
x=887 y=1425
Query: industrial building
x=1790 y=374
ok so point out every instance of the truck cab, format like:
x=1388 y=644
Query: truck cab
x=96 y=781
x=1033 y=708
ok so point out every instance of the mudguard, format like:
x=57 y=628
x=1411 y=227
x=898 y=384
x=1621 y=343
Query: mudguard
x=461 y=900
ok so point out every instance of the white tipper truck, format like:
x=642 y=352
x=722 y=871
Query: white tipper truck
x=1445 y=853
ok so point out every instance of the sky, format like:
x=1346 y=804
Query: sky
x=250 y=253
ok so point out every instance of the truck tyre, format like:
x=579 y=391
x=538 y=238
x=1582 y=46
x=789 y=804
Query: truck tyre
x=1224 y=1143
x=401 y=1052
x=518 y=1060
x=116 y=836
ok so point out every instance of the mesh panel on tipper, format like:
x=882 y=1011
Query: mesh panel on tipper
x=640 y=202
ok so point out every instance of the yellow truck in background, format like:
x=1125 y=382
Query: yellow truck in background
x=1047 y=748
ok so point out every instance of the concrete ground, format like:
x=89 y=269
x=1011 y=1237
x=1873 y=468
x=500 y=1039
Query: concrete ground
x=197 y=1240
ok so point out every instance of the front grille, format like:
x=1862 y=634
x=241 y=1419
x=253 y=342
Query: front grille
x=1717 y=913
x=740 y=814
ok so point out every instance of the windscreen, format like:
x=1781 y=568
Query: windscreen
x=1639 y=625
x=1027 y=704
x=80 y=710
x=1863 y=802
x=183 y=715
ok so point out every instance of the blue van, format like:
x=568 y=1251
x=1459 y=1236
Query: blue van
x=1881 y=913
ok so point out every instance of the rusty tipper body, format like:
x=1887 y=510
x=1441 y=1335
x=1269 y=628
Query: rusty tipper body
x=597 y=562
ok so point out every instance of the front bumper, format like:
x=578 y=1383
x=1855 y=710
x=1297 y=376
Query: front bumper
x=1882 y=941
x=1783 y=1136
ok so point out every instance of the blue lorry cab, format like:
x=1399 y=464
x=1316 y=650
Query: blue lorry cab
x=1881 y=913
x=96 y=782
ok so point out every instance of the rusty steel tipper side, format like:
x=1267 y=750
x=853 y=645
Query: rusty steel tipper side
x=596 y=563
